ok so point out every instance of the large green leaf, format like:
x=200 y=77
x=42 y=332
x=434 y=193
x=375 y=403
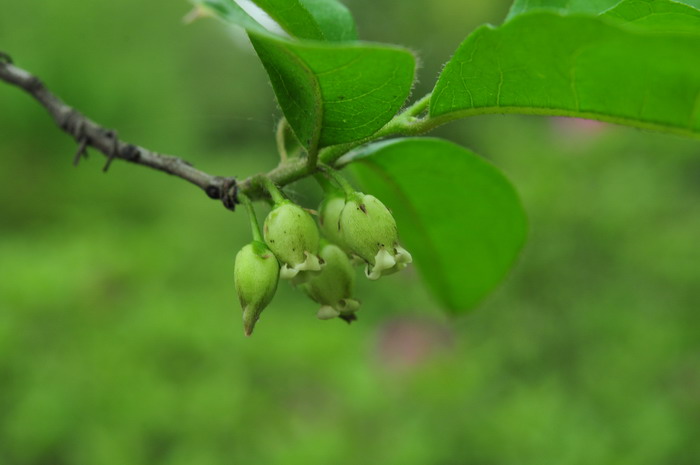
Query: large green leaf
x=592 y=7
x=330 y=92
x=457 y=214
x=336 y=93
x=657 y=15
x=325 y=20
x=544 y=63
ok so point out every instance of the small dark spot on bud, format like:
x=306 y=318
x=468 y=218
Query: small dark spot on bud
x=294 y=249
x=321 y=261
x=363 y=208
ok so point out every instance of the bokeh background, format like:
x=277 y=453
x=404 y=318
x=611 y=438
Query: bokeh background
x=120 y=333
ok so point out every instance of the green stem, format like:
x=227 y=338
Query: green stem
x=273 y=190
x=409 y=123
x=419 y=107
x=312 y=159
x=405 y=123
x=280 y=139
x=325 y=184
x=338 y=178
x=254 y=226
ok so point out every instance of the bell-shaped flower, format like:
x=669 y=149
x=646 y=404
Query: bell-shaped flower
x=333 y=287
x=329 y=217
x=255 y=275
x=291 y=233
x=368 y=230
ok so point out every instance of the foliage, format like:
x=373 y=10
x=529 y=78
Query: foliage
x=632 y=62
x=118 y=320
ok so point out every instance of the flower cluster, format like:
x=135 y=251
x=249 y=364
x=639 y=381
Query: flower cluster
x=352 y=228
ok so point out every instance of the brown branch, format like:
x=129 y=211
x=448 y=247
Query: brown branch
x=87 y=133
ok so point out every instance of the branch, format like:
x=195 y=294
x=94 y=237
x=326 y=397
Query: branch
x=90 y=134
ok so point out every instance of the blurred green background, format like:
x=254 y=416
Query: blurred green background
x=120 y=333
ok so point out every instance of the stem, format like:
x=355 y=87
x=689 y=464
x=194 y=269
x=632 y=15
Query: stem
x=340 y=180
x=312 y=159
x=409 y=122
x=254 y=226
x=280 y=139
x=90 y=134
x=273 y=190
x=325 y=184
x=403 y=124
x=418 y=107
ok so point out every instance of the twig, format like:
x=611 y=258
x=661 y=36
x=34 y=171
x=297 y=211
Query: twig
x=88 y=133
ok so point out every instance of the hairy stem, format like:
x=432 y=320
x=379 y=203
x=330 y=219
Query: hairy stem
x=273 y=190
x=338 y=178
x=418 y=107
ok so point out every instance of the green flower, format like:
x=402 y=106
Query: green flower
x=255 y=275
x=333 y=287
x=369 y=231
x=329 y=217
x=292 y=234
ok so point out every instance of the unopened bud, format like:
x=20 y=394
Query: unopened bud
x=333 y=287
x=255 y=275
x=329 y=217
x=292 y=234
x=368 y=230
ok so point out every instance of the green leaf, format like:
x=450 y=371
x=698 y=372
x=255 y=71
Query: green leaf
x=457 y=214
x=323 y=20
x=593 y=7
x=657 y=15
x=312 y=19
x=543 y=63
x=336 y=93
x=330 y=92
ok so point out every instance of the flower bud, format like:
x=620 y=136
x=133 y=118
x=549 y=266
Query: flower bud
x=255 y=275
x=292 y=234
x=369 y=231
x=329 y=216
x=333 y=287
